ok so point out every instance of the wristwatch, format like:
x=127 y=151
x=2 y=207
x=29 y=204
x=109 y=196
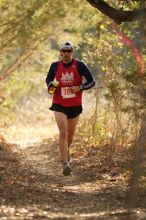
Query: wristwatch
x=81 y=87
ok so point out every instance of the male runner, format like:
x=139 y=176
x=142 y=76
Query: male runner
x=67 y=99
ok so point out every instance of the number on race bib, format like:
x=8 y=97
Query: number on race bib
x=66 y=93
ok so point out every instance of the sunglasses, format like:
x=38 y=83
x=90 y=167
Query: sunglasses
x=68 y=51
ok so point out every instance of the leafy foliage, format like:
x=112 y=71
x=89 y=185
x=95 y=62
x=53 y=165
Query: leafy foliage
x=30 y=34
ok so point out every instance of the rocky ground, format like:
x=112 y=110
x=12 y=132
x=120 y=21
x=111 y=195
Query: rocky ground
x=32 y=185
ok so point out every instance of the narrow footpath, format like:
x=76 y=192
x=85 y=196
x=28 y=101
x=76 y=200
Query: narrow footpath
x=32 y=185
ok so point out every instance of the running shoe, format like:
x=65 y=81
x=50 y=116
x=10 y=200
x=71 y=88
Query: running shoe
x=66 y=169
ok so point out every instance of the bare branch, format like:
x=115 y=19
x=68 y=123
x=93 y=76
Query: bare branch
x=23 y=56
x=118 y=15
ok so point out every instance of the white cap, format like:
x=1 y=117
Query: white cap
x=66 y=45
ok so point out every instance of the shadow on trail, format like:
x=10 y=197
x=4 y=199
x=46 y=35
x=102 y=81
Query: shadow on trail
x=33 y=187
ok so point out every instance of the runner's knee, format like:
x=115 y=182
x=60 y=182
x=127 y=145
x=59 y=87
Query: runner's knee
x=63 y=133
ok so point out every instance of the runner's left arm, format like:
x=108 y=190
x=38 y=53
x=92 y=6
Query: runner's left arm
x=84 y=71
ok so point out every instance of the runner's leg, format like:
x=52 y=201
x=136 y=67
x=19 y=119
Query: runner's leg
x=61 y=120
x=71 y=126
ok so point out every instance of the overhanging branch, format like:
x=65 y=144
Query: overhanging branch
x=118 y=15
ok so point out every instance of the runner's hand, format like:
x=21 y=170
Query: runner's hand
x=74 y=89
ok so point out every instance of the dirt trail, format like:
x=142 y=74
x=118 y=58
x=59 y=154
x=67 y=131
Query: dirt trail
x=32 y=186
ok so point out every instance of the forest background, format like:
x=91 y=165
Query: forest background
x=110 y=37
x=31 y=32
